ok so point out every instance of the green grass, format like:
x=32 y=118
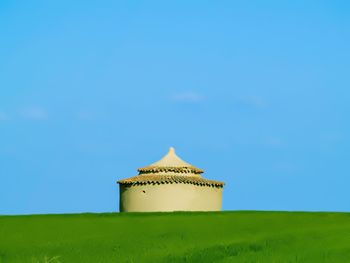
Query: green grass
x=176 y=237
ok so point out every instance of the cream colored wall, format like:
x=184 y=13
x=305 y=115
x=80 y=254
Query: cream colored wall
x=170 y=197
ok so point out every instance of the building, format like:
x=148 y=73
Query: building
x=170 y=184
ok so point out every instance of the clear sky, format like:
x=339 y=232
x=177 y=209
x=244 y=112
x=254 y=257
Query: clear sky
x=256 y=93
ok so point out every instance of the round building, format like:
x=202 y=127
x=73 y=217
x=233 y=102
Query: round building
x=170 y=184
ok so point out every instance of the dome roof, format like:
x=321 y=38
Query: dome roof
x=170 y=162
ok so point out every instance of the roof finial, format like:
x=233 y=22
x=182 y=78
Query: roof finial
x=171 y=150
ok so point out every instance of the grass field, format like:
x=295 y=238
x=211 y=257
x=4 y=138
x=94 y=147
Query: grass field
x=176 y=237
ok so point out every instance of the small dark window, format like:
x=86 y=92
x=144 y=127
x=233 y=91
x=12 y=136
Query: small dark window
x=143 y=191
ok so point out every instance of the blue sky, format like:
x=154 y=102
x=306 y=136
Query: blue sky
x=256 y=93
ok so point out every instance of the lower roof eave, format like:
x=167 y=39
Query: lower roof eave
x=142 y=180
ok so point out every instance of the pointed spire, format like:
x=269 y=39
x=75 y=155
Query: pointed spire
x=170 y=161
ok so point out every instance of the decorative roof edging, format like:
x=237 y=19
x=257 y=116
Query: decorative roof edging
x=170 y=169
x=161 y=179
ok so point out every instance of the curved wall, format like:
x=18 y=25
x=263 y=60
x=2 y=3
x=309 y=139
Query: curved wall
x=169 y=197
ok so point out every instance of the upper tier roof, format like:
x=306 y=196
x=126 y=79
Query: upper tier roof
x=170 y=162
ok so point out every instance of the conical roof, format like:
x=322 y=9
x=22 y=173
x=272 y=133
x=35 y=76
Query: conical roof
x=169 y=170
x=170 y=162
